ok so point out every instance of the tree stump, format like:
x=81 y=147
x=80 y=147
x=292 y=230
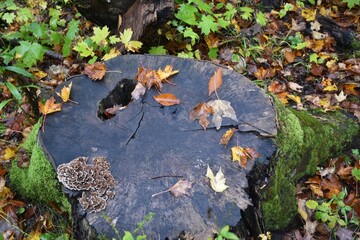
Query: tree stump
x=149 y=146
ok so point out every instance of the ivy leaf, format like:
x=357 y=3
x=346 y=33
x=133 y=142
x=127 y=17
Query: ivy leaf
x=186 y=13
x=159 y=50
x=100 y=34
x=261 y=19
x=217 y=182
x=189 y=32
x=208 y=24
x=125 y=38
x=246 y=13
x=29 y=53
x=8 y=17
x=84 y=49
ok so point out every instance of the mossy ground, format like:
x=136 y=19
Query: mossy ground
x=38 y=182
x=304 y=142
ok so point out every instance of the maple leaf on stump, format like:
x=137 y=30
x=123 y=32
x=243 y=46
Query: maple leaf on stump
x=95 y=71
x=202 y=111
x=50 y=106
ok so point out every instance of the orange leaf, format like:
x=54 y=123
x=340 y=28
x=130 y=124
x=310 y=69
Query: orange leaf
x=202 y=111
x=289 y=56
x=227 y=136
x=167 y=72
x=240 y=155
x=95 y=71
x=50 y=106
x=276 y=87
x=167 y=99
x=65 y=93
x=215 y=81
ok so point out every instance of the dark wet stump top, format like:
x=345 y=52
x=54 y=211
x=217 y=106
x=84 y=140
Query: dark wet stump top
x=147 y=140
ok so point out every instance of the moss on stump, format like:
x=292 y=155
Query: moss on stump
x=304 y=142
x=38 y=182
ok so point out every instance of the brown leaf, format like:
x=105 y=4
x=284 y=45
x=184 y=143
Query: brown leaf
x=202 y=111
x=215 y=81
x=95 y=71
x=227 y=136
x=149 y=78
x=289 y=56
x=276 y=87
x=252 y=153
x=240 y=155
x=181 y=188
x=167 y=99
x=50 y=106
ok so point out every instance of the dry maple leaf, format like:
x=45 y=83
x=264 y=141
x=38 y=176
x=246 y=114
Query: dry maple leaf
x=50 y=106
x=178 y=189
x=181 y=188
x=167 y=72
x=215 y=81
x=221 y=109
x=217 y=182
x=65 y=93
x=227 y=136
x=150 y=78
x=167 y=99
x=95 y=71
x=202 y=111
x=239 y=154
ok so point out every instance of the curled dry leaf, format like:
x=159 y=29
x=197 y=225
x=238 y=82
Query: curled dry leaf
x=149 y=78
x=215 y=81
x=227 y=136
x=95 y=71
x=50 y=106
x=241 y=155
x=202 y=111
x=217 y=182
x=221 y=109
x=295 y=87
x=167 y=99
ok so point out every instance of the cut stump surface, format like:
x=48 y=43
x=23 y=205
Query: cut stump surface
x=146 y=140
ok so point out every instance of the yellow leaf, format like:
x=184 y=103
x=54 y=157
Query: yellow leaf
x=296 y=99
x=330 y=88
x=50 y=106
x=217 y=182
x=308 y=14
x=167 y=72
x=227 y=136
x=65 y=93
x=113 y=53
x=133 y=46
x=240 y=155
x=9 y=153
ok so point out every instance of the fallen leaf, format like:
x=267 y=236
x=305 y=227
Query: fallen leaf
x=296 y=99
x=276 y=87
x=341 y=97
x=95 y=71
x=9 y=153
x=239 y=154
x=167 y=99
x=202 y=111
x=221 y=108
x=227 y=136
x=181 y=188
x=308 y=14
x=297 y=27
x=167 y=72
x=215 y=81
x=217 y=182
x=315 y=26
x=289 y=56
x=295 y=87
x=65 y=93
x=252 y=153
x=50 y=106
x=113 y=53
x=138 y=91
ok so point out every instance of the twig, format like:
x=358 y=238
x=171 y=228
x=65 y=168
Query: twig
x=165 y=176
x=155 y=194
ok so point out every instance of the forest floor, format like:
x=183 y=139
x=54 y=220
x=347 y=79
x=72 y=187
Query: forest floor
x=305 y=53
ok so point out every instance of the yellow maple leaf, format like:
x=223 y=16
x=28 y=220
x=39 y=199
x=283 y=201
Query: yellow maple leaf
x=296 y=99
x=239 y=154
x=167 y=72
x=217 y=182
x=65 y=93
x=9 y=153
x=113 y=53
x=308 y=14
x=50 y=106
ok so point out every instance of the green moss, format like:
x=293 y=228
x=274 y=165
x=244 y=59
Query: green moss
x=304 y=142
x=38 y=182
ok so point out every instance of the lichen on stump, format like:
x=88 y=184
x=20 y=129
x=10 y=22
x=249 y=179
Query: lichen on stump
x=304 y=142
